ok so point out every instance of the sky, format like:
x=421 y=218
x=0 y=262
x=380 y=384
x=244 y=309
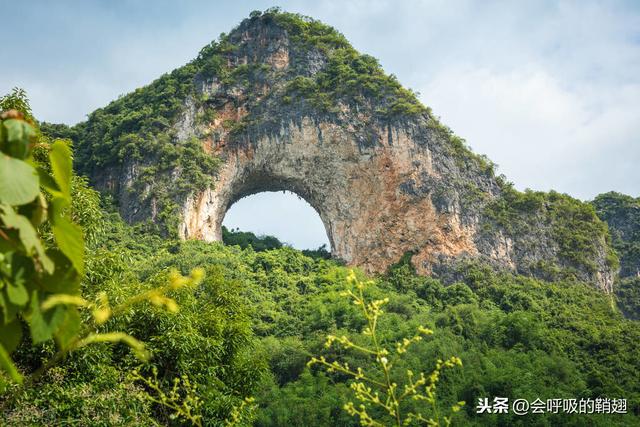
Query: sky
x=549 y=90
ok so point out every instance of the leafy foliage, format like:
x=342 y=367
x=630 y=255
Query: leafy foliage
x=320 y=253
x=42 y=258
x=622 y=214
x=378 y=390
x=32 y=271
x=128 y=124
x=348 y=77
x=140 y=128
x=248 y=327
x=246 y=239
x=181 y=399
x=628 y=296
x=258 y=317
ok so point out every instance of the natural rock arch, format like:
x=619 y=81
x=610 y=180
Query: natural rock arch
x=363 y=195
x=241 y=177
x=287 y=104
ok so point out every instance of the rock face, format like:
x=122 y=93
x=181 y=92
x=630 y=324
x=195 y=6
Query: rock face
x=372 y=181
x=286 y=104
x=374 y=201
x=622 y=214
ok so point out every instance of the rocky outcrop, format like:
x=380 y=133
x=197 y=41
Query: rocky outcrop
x=286 y=104
x=372 y=200
x=622 y=214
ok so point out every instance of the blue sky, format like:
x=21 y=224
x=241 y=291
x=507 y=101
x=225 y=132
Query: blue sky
x=548 y=90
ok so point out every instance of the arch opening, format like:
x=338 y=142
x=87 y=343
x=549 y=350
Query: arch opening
x=282 y=214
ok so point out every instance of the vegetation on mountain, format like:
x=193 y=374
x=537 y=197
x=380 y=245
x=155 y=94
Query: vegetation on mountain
x=139 y=128
x=43 y=258
x=258 y=317
x=622 y=214
x=349 y=77
x=573 y=225
x=246 y=239
x=384 y=396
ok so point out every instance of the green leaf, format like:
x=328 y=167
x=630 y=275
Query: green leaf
x=69 y=328
x=137 y=346
x=61 y=165
x=19 y=134
x=9 y=310
x=17 y=293
x=18 y=181
x=10 y=335
x=65 y=279
x=28 y=235
x=11 y=219
x=70 y=241
x=7 y=364
x=43 y=324
x=48 y=183
x=35 y=211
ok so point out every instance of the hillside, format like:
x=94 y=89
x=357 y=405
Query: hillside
x=258 y=317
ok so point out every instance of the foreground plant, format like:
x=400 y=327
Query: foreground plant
x=42 y=251
x=182 y=398
x=101 y=311
x=378 y=389
x=183 y=401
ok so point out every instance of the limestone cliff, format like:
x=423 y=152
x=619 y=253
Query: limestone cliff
x=622 y=214
x=284 y=102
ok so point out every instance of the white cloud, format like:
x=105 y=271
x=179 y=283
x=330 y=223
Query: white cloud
x=543 y=135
